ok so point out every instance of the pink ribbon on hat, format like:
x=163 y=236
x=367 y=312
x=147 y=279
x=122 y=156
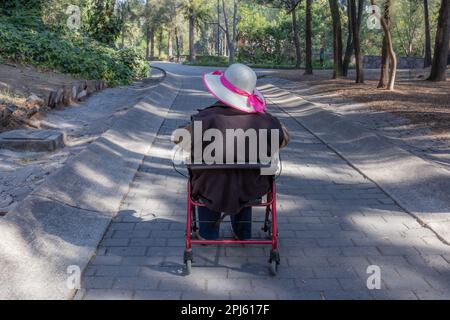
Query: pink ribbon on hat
x=253 y=99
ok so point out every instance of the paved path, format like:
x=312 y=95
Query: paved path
x=333 y=225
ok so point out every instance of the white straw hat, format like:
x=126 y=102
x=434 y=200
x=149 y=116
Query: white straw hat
x=236 y=87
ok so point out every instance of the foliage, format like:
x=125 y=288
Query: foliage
x=25 y=38
x=103 y=25
x=211 y=61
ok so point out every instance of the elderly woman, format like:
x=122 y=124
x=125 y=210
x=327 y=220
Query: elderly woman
x=240 y=106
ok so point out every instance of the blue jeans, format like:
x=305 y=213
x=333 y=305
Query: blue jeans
x=240 y=222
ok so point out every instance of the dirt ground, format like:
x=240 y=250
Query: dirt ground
x=424 y=103
x=17 y=82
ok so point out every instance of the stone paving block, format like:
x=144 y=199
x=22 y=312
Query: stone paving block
x=433 y=294
x=106 y=260
x=113 y=242
x=182 y=284
x=331 y=242
x=154 y=251
x=199 y=295
x=318 y=284
x=360 y=251
x=405 y=281
x=133 y=283
x=300 y=295
x=347 y=295
x=122 y=226
x=245 y=252
x=436 y=262
x=126 y=251
x=142 y=261
x=143 y=242
x=116 y=270
x=396 y=251
x=227 y=285
x=108 y=294
x=262 y=295
x=393 y=294
x=131 y=234
x=335 y=272
x=97 y=282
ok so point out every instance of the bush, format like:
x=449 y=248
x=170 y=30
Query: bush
x=211 y=61
x=35 y=43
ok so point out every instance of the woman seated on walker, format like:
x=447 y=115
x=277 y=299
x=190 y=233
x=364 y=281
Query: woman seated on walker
x=241 y=110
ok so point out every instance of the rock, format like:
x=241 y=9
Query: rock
x=91 y=86
x=6 y=114
x=66 y=98
x=82 y=95
x=11 y=108
x=34 y=101
x=32 y=111
x=51 y=100
x=74 y=92
x=59 y=96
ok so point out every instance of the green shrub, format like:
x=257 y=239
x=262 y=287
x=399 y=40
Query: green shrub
x=35 y=43
x=211 y=61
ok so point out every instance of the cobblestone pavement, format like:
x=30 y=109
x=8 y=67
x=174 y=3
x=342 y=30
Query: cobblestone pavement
x=333 y=225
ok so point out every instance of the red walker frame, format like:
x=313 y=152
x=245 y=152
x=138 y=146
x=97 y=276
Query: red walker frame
x=271 y=212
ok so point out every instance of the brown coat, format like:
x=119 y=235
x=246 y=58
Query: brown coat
x=229 y=190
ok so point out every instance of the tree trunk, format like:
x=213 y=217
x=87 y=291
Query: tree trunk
x=160 y=36
x=384 y=20
x=308 y=40
x=230 y=35
x=337 y=38
x=356 y=42
x=441 y=47
x=169 y=45
x=152 y=42
x=177 y=44
x=191 y=35
x=298 y=53
x=218 y=29
x=428 y=59
x=233 y=40
x=147 y=43
x=349 y=47
x=384 y=73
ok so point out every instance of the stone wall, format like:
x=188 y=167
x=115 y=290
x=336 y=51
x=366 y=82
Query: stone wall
x=374 y=62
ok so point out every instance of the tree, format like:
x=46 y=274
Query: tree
x=231 y=34
x=308 y=38
x=349 y=47
x=428 y=59
x=441 y=47
x=290 y=6
x=387 y=45
x=356 y=41
x=103 y=24
x=337 y=39
x=195 y=12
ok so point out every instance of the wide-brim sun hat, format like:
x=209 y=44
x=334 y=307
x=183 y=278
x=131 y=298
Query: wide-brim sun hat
x=236 y=87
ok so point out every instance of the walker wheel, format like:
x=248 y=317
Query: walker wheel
x=188 y=267
x=273 y=268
